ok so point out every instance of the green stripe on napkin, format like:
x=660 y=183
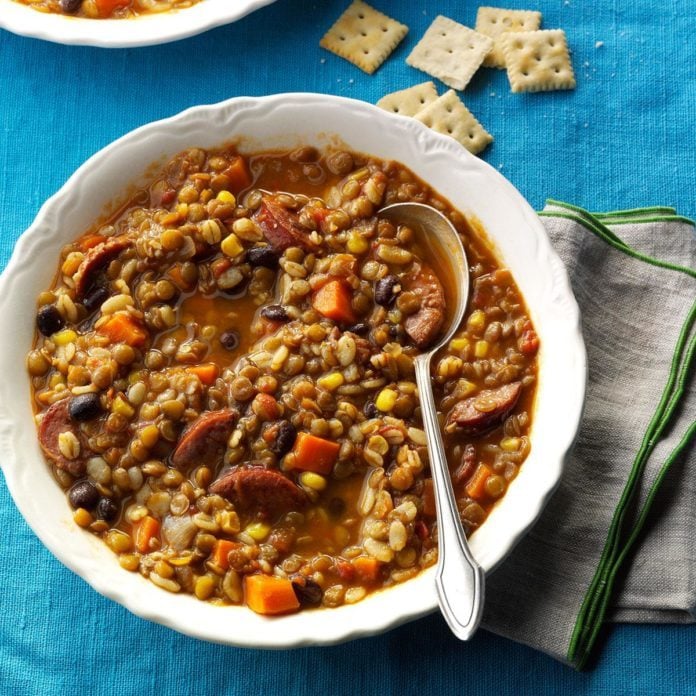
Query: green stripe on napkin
x=621 y=538
x=616 y=541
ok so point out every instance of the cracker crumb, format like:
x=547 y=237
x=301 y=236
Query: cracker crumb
x=599 y=44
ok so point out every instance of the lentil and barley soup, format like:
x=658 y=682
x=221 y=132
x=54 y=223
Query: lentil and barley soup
x=107 y=9
x=224 y=384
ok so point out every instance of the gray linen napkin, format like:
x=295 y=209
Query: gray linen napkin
x=635 y=304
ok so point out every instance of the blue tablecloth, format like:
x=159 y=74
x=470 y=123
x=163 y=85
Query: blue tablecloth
x=623 y=138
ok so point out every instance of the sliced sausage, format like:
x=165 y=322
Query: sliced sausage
x=466 y=465
x=256 y=488
x=424 y=326
x=205 y=440
x=281 y=227
x=95 y=260
x=57 y=420
x=485 y=410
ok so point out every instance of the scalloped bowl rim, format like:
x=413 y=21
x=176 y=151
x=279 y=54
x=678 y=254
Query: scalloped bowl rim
x=147 y=30
x=469 y=183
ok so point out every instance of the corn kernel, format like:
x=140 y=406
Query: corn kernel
x=226 y=197
x=62 y=338
x=82 y=517
x=386 y=399
x=314 y=481
x=182 y=210
x=481 y=349
x=72 y=263
x=231 y=246
x=122 y=407
x=258 y=531
x=459 y=345
x=477 y=321
x=331 y=382
x=510 y=444
x=357 y=244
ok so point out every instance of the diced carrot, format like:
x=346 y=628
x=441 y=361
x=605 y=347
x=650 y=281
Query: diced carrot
x=333 y=300
x=429 y=508
x=476 y=488
x=123 y=328
x=92 y=240
x=206 y=372
x=268 y=594
x=147 y=529
x=106 y=7
x=222 y=552
x=367 y=569
x=238 y=174
x=314 y=454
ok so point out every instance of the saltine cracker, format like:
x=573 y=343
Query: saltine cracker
x=364 y=36
x=450 y=51
x=495 y=21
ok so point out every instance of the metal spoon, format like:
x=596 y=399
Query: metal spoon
x=459 y=579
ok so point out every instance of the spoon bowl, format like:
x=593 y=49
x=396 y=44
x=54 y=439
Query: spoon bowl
x=458 y=577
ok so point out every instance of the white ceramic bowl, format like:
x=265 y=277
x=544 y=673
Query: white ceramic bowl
x=285 y=121
x=119 y=33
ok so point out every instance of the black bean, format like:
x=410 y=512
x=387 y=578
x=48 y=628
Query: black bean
x=308 y=592
x=386 y=290
x=336 y=507
x=359 y=329
x=107 y=510
x=370 y=410
x=70 y=6
x=275 y=312
x=229 y=339
x=85 y=407
x=263 y=256
x=396 y=331
x=285 y=438
x=49 y=320
x=95 y=298
x=83 y=495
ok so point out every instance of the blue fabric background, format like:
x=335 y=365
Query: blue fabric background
x=623 y=138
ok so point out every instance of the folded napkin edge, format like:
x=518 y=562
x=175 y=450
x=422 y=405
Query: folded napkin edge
x=596 y=600
x=591 y=223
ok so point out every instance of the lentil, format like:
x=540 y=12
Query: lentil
x=234 y=415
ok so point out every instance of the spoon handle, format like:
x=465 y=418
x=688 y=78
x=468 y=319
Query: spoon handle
x=459 y=578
